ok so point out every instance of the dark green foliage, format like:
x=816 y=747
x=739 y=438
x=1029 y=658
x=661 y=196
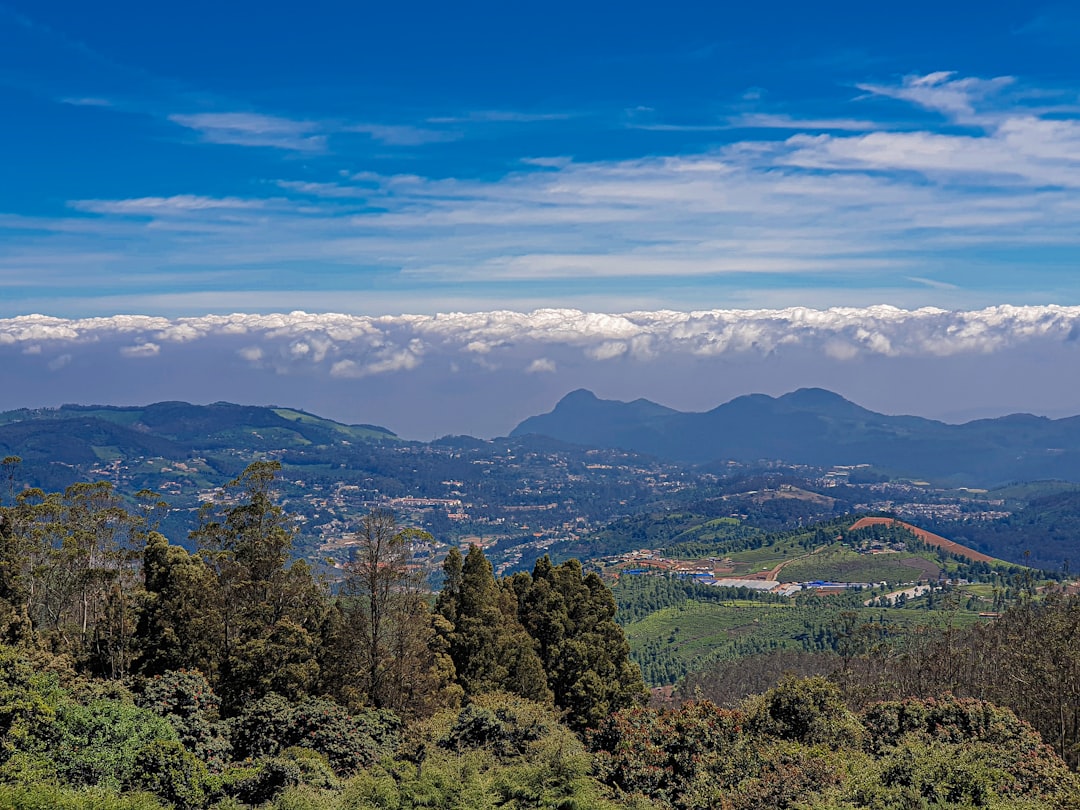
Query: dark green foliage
x=1027 y=660
x=269 y=613
x=266 y=636
x=810 y=711
x=505 y=730
x=499 y=751
x=349 y=741
x=48 y=734
x=273 y=775
x=963 y=751
x=55 y=797
x=187 y=702
x=28 y=702
x=386 y=651
x=180 y=623
x=66 y=578
x=489 y=647
x=671 y=756
x=171 y=772
x=583 y=651
x=798 y=746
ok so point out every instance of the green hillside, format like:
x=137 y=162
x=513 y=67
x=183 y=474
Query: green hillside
x=679 y=619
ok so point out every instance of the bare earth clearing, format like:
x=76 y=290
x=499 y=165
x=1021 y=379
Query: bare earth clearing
x=927 y=537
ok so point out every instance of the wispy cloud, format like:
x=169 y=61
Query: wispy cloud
x=883 y=209
x=943 y=91
x=541 y=365
x=401 y=135
x=932 y=283
x=777 y=121
x=255 y=129
x=260 y=130
x=499 y=117
x=328 y=190
x=165 y=206
x=87 y=101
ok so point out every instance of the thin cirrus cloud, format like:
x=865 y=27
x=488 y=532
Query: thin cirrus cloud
x=402 y=135
x=178 y=205
x=944 y=92
x=499 y=117
x=780 y=121
x=254 y=129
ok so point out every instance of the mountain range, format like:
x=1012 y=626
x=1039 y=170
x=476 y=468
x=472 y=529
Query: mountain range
x=809 y=426
x=817 y=427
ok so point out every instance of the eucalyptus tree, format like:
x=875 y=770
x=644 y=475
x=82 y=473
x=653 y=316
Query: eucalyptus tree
x=269 y=610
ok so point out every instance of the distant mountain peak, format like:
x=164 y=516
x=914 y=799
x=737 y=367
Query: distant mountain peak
x=817 y=399
x=578 y=396
x=821 y=428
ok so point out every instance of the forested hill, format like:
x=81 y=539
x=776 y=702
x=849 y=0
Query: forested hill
x=817 y=427
x=59 y=446
x=72 y=431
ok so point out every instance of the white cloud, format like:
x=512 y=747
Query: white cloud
x=775 y=121
x=541 y=365
x=386 y=359
x=390 y=369
x=254 y=129
x=881 y=206
x=58 y=362
x=163 y=206
x=403 y=135
x=141 y=350
x=353 y=346
x=607 y=350
x=943 y=92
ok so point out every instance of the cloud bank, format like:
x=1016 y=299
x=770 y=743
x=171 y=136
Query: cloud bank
x=482 y=372
x=358 y=345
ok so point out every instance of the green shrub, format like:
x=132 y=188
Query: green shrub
x=349 y=741
x=805 y=710
x=54 y=797
x=187 y=702
x=171 y=772
x=97 y=744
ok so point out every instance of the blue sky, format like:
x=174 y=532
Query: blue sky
x=185 y=160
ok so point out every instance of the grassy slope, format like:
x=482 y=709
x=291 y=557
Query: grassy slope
x=695 y=633
x=356 y=432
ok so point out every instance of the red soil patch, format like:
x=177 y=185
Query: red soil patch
x=927 y=537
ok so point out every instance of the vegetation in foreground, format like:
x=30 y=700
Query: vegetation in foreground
x=134 y=674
